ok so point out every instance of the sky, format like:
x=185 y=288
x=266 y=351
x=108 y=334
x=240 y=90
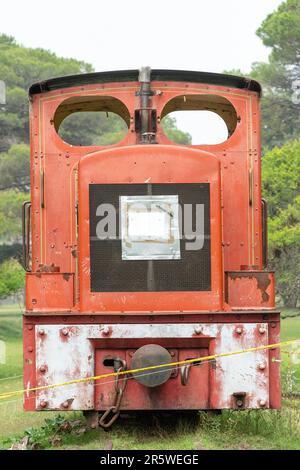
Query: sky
x=207 y=35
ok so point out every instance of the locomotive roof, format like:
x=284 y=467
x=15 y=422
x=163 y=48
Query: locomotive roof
x=220 y=79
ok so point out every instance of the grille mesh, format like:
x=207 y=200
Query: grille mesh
x=109 y=273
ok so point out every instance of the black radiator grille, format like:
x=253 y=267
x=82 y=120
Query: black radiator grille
x=109 y=273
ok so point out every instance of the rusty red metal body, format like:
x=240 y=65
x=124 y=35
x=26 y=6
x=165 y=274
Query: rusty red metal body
x=73 y=331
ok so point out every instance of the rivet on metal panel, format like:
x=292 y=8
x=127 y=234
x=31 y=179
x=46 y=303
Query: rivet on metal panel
x=105 y=330
x=30 y=327
x=262 y=366
x=65 y=331
x=65 y=404
x=43 y=369
x=262 y=330
x=239 y=330
x=30 y=349
x=41 y=332
x=262 y=403
x=198 y=329
x=43 y=404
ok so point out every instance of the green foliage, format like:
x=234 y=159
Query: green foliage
x=171 y=130
x=281 y=176
x=281 y=186
x=10 y=215
x=12 y=250
x=236 y=72
x=20 y=67
x=280 y=76
x=281 y=31
x=39 y=437
x=14 y=168
x=285 y=227
x=11 y=278
x=93 y=128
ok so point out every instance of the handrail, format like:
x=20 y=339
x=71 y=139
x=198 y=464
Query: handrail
x=26 y=235
x=264 y=212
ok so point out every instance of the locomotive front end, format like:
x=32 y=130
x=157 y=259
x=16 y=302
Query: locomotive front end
x=148 y=257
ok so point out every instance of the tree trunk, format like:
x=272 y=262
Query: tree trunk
x=289 y=301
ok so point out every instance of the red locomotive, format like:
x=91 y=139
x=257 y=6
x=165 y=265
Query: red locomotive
x=147 y=252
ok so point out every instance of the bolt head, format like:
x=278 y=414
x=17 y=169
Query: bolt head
x=262 y=366
x=43 y=404
x=30 y=349
x=65 y=404
x=198 y=330
x=65 y=331
x=262 y=403
x=239 y=403
x=41 y=332
x=239 y=330
x=262 y=330
x=42 y=369
x=105 y=330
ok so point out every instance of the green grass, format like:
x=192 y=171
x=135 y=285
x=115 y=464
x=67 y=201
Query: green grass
x=267 y=429
x=13 y=419
x=290 y=369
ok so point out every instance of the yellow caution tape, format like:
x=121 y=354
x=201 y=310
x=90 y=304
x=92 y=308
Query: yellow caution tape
x=133 y=371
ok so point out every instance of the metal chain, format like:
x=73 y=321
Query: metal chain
x=113 y=411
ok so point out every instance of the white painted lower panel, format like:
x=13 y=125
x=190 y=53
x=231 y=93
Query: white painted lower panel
x=66 y=352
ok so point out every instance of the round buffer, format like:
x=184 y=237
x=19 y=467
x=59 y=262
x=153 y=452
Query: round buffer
x=147 y=356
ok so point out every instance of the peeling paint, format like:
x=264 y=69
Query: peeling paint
x=75 y=358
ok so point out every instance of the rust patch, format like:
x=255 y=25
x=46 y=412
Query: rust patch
x=64 y=334
x=263 y=282
x=262 y=278
x=67 y=403
x=48 y=268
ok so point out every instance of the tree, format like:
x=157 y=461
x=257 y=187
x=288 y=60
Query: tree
x=10 y=215
x=281 y=187
x=20 y=67
x=11 y=278
x=93 y=128
x=281 y=31
x=280 y=77
x=173 y=133
x=14 y=168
